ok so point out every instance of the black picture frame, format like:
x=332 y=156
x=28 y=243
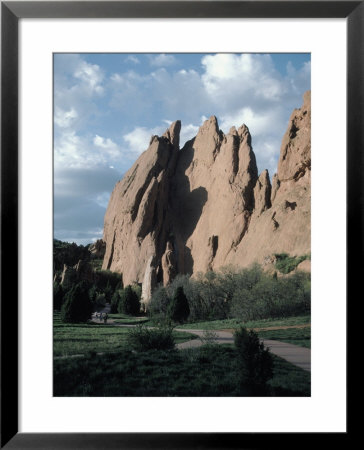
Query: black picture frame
x=11 y=12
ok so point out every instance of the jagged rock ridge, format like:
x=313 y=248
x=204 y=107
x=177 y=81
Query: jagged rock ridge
x=204 y=206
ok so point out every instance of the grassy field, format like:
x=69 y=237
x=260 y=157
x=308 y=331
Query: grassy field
x=295 y=336
x=236 y=323
x=201 y=372
x=74 y=339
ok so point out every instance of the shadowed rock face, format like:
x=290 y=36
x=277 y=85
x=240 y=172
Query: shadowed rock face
x=204 y=206
x=97 y=249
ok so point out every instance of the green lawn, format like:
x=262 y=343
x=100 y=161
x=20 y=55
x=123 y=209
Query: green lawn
x=289 y=379
x=73 y=339
x=236 y=323
x=295 y=336
x=124 y=319
x=199 y=372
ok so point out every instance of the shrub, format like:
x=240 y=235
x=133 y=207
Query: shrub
x=285 y=263
x=77 y=306
x=129 y=302
x=255 y=361
x=273 y=297
x=142 y=339
x=179 y=308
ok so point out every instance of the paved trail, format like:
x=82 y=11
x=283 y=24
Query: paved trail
x=296 y=355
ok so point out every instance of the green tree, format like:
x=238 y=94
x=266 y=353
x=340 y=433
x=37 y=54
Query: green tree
x=58 y=295
x=93 y=293
x=77 y=306
x=108 y=291
x=115 y=299
x=179 y=309
x=129 y=302
x=255 y=361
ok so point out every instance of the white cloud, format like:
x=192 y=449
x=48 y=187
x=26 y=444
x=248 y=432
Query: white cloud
x=115 y=77
x=231 y=79
x=91 y=75
x=74 y=151
x=107 y=145
x=188 y=132
x=266 y=149
x=162 y=60
x=227 y=66
x=80 y=198
x=77 y=87
x=133 y=59
x=69 y=150
x=138 y=139
x=103 y=199
x=64 y=119
x=297 y=79
x=257 y=122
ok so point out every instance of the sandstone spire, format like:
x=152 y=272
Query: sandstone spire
x=295 y=157
x=135 y=224
x=172 y=134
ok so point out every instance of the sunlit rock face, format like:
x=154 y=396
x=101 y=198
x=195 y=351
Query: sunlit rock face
x=205 y=206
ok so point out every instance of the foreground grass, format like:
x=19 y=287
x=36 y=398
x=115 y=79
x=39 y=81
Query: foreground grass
x=236 y=323
x=295 y=336
x=198 y=372
x=78 y=339
x=289 y=380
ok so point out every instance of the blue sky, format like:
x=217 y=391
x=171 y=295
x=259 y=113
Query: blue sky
x=106 y=107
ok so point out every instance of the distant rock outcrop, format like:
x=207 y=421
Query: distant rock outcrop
x=204 y=206
x=97 y=249
x=82 y=271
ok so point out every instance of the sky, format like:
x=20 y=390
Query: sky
x=107 y=106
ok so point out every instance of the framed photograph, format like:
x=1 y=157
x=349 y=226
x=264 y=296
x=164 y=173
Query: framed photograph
x=93 y=96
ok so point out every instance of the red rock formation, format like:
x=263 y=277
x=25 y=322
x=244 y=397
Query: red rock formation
x=204 y=206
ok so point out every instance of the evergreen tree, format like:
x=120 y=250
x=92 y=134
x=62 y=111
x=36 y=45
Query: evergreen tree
x=179 y=309
x=58 y=295
x=108 y=291
x=77 y=306
x=129 y=302
x=255 y=361
x=92 y=293
x=115 y=299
